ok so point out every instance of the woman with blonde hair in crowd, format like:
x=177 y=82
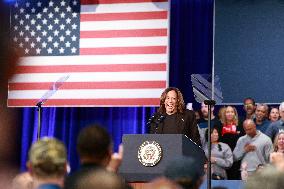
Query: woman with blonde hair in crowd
x=231 y=131
x=278 y=143
x=277 y=157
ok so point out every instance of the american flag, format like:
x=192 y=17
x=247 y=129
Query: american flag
x=90 y=52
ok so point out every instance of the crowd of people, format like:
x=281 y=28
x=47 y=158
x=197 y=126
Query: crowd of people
x=242 y=148
x=250 y=137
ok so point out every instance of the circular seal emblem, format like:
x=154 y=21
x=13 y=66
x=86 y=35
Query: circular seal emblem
x=149 y=153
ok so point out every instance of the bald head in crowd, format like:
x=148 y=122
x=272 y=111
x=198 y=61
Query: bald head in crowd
x=250 y=127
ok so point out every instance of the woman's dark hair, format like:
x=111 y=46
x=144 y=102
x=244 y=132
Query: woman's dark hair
x=180 y=102
x=93 y=141
x=211 y=131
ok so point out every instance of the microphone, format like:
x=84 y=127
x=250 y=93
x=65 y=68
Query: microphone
x=161 y=118
x=150 y=120
x=39 y=103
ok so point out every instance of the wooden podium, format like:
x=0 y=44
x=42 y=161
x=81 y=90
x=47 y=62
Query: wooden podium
x=172 y=146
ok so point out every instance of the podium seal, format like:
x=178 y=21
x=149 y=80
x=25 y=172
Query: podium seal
x=149 y=153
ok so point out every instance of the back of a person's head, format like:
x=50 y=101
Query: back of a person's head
x=162 y=183
x=269 y=177
x=100 y=179
x=93 y=142
x=48 y=158
x=185 y=171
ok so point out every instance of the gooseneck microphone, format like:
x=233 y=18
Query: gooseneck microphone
x=156 y=119
x=150 y=120
x=160 y=119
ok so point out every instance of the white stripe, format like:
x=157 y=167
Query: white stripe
x=88 y=94
x=125 y=7
x=124 y=25
x=124 y=42
x=93 y=59
x=91 y=76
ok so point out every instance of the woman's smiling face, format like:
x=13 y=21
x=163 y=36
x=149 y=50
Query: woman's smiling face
x=171 y=102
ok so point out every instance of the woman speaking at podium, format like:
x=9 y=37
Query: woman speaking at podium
x=173 y=118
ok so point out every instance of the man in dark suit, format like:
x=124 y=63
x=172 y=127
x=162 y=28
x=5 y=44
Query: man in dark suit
x=173 y=118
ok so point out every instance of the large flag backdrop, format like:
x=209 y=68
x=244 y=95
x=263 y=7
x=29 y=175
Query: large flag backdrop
x=108 y=52
x=191 y=52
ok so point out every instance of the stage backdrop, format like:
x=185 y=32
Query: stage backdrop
x=190 y=52
x=249 y=43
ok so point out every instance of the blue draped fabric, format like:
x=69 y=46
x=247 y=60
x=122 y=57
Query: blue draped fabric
x=65 y=124
x=190 y=52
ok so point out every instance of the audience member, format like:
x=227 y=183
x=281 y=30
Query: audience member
x=244 y=170
x=274 y=114
x=198 y=115
x=162 y=183
x=277 y=157
x=221 y=113
x=203 y=121
x=100 y=179
x=47 y=163
x=260 y=119
x=94 y=147
x=268 y=178
x=253 y=148
x=221 y=155
x=249 y=107
x=23 y=181
x=231 y=131
x=186 y=172
x=277 y=126
x=277 y=160
x=278 y=143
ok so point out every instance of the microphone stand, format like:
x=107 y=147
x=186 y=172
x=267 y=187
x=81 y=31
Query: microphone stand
x=53 y=89
x=209 y=103
x=158 y=121
x=39 y=109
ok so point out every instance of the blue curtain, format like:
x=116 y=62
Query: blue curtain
x=191 y=43
x=190 y=52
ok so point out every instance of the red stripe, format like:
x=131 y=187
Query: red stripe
x=90 y=85
x=87 y=2
x=124 y=33
x=91 y=68
x=124 y=16
x=124 y=50
x=87 y=102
